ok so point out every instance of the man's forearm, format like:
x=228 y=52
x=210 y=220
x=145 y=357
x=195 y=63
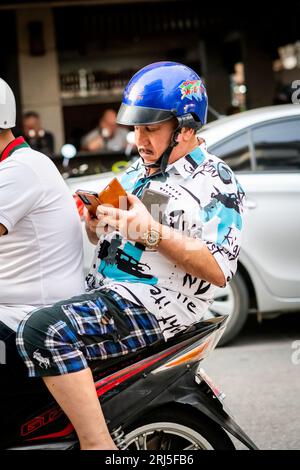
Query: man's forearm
x=190 y=255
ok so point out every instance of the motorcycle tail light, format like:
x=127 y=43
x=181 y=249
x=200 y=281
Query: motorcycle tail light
x=196 y=354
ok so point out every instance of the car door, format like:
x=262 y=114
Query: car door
x=273 y=199
x=266 y=159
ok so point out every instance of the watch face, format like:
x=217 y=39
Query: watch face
x=152 y=238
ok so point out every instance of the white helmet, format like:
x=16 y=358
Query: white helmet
x=7 y=106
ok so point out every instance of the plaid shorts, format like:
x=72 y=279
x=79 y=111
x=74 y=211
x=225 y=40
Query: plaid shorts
x=63 y=338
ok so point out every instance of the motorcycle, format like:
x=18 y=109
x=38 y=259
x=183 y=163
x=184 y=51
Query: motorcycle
x=158 y=398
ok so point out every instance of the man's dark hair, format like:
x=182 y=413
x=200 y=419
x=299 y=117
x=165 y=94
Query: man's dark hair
x=30 y=114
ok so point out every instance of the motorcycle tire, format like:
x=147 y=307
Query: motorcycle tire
x=176 y=428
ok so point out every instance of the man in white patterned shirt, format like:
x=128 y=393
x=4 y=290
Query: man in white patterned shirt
x=150 y=277
x=204 y=203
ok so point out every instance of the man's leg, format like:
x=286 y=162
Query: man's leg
x=76 y=395
x=57 y=342
x=51 y=348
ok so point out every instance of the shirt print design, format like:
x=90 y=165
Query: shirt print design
x=205 y=202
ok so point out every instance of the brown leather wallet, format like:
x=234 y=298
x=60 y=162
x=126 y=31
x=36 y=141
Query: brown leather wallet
x=114 y=194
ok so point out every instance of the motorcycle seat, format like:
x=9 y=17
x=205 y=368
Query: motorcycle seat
x=195 y=331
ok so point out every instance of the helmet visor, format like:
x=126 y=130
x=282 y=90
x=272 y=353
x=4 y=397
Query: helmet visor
x=141 y=116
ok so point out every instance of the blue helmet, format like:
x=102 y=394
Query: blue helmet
x=161 y=91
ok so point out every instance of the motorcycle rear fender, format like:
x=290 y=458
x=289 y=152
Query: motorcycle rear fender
x=187 y=392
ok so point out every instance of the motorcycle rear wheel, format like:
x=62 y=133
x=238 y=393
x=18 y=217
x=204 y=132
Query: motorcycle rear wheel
x=175 y=429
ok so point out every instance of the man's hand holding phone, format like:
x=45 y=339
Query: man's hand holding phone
x=103 y=213
x=132 y=223
x=112 y=195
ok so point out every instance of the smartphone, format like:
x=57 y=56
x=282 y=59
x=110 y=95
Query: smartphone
x=155 y=202
x=90 y=200
x=113 y=194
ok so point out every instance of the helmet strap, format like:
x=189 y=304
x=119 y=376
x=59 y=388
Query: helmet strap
x=163 y=160
x=187 y=120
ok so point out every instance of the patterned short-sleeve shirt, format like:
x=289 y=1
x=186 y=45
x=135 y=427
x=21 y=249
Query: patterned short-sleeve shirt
x=205 y=202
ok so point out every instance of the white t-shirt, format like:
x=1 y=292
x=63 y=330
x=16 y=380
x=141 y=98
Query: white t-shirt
x=41 y=257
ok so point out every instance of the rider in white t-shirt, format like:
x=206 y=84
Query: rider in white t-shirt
x=40 y=234
x=41 y=254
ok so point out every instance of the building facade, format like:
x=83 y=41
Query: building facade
x=70 y=60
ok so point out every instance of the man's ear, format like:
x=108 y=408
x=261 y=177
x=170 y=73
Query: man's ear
x=179 y=137
x=187 y=134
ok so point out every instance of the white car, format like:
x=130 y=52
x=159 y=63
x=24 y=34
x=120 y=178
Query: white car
x=262 y=146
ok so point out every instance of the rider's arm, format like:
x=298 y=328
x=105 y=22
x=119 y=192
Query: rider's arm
x=190 y=255
x=211 y=246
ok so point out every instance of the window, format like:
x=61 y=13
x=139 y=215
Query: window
x=235 y=152
x=277 y=145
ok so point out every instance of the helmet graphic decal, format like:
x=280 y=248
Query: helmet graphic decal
x=192 y=88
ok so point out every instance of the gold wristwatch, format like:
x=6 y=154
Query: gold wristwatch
x=151 y=238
